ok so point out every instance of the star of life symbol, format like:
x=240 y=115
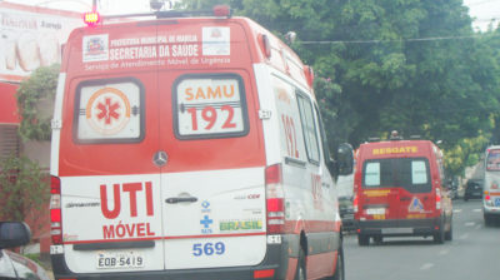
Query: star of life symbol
x=108 y=111
x=416 y=205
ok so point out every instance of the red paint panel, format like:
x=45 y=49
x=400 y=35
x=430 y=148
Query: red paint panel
x=164 y=238
x=321 y=265
x=311 y=226
x=8 y=104
x=292 y=268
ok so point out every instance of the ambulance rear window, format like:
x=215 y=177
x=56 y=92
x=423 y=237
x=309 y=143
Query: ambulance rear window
x=209 y=106
x=410 y=173
x=109 y=111
x=493 y=160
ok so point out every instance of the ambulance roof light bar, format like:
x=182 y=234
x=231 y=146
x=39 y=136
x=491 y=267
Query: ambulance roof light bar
x=219 y=11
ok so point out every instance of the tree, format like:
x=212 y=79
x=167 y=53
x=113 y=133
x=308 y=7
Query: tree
x=35 y=93
x=411 y=65
x=23 y=188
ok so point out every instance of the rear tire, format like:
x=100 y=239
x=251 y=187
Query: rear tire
x=363 y=240
x=300 y=273
x=339 y=268
x=449 y=234
x=439 y=235
x=488 y=220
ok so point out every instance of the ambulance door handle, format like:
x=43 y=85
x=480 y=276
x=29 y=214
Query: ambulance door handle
x=173 y=200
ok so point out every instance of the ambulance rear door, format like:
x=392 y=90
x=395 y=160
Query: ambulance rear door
x=213 y=188
x=108 y=161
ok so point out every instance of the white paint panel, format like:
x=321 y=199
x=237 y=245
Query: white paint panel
x=238 y=251
x=57 y=121
x=84 y=219
x=228 y=202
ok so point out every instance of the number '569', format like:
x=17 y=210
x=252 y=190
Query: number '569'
x=208 y=249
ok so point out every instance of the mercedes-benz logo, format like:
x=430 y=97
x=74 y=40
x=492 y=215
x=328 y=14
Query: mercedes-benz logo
x=160 y=158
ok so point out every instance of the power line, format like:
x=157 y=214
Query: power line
x=377 y=41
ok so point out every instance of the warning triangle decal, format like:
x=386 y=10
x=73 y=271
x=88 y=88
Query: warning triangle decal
x=416 y=205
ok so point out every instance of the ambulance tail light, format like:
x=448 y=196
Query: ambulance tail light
x=275 y=200
x=487 y=199
x=309 y=73
x=55 y=210
x=438 y=199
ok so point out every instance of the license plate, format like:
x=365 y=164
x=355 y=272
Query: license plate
x=497 y=202
x=120 y=260
x=348 y=217
x=375 y=211
x=397 y=230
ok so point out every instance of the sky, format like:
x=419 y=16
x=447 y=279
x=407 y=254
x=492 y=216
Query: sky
x=483 y=11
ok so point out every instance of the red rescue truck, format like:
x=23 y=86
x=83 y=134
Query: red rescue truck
x=190 y=148
x=399 y=191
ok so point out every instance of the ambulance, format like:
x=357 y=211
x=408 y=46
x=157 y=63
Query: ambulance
x=399 y=191
x=190 y=148
x=491 y=191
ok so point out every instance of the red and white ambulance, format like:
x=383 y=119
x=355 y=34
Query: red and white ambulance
x=399 y=191
x=189 y=148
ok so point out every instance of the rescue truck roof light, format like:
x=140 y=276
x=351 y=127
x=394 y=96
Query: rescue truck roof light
x=222 y=11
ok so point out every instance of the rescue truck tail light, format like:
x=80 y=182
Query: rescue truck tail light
x=91 y=18
x=355 y=203
x=55 y=210
x=275 y=199
x=438 y=198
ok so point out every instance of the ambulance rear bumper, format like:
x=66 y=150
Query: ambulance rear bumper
x=403 y=227
x=273 y=261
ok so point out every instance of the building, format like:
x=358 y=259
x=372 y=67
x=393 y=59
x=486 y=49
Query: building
x=30 y=37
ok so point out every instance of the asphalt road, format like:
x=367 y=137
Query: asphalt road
x=473 y=254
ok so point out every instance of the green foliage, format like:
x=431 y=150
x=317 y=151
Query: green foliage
x=466 y=152
x=23 y=187
x=40 y=86
x=411 y=65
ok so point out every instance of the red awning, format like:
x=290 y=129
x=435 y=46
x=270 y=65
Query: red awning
x=8 y=104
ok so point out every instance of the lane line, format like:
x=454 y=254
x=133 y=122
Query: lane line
x=426 y=266
x=444 y=252
x=470 y=224
x=457 y=210
x=477 y=210
x=464 y=236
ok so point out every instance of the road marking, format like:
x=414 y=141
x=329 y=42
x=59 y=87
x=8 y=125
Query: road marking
x=470 y=224
x=426 y=266
x=477 y=210
x=464 y=236
x=457 y=210
x=444 y=252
